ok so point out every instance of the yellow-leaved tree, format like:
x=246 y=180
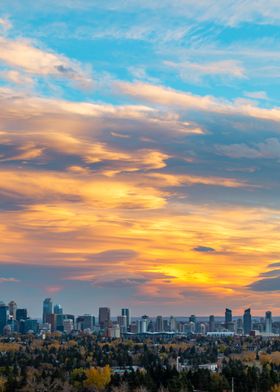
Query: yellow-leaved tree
x=2 y=384
x=275 y=388
x=97 y=378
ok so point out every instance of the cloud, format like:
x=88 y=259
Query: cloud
x=196 y=71
x=161 y=95
x=257 y=95
x=204 y=249
x=5 y=24
x=271 y=284
x=8 y=280
x=114 y=255
x=269 y=149
x=24 y=55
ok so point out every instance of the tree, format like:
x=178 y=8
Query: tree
x=275 y=388
x=2 y=384
x=97 y=378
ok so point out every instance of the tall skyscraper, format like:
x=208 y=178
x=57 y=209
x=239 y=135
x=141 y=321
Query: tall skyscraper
x=47 y=309
x=268 y=322
x=228 y=317
x=159 y=324
x=12 y=309
x=212 y=323
x=104 y=317
x=126 y=312
x=57 y=309
x=247 y=322
x=4 y=316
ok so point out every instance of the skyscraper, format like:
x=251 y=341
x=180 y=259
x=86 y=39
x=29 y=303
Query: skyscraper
x=57 y=309
x=228 y=317
x=4 y=315
x=12 y=309
x=47 y=309
x=126 y=312
x=268 y=322
x=159 y=324
x=211 y=323
x=104 y=317
x=247 y=322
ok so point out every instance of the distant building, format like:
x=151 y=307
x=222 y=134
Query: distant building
x=114 y=331
x=122 y=321
x=31 y=326
x=21 y=314
x=247 y=322
x=4 y=316
x=68 y=326
x=87 y=321
x=159 y=324
x=47 y=309
x=142 y=325
x=12 y=309
x=172 y=324
x=228 y=317
x=211 y=323
x=268 y=322
x=104 y=317
x=126 y=312
x=57 y=309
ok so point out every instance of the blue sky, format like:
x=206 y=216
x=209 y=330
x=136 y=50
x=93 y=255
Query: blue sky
x=133 y=136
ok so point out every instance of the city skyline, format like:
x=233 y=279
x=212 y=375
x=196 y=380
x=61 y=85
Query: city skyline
x=140 y=155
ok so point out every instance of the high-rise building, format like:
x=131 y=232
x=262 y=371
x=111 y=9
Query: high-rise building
x=172 y=324
x=122 y=321
x=4 y=316
x=126 y=312
x=212 y=323
x=104 y=317
x=142 y=325
x=47 y=309
x=12 y=309
x=21 y=314
x=247 y=322
x=228 y=317
x=192 y=318
x=159 y=324
x=57 y=309
x=68 y=326
x=268 y=322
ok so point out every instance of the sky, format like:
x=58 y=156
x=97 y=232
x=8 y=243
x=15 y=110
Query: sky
x=140 y=155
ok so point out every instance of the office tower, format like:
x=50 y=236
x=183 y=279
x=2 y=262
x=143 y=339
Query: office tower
x=142 y=325
x=212 y=323
x=47 y=309
x=192 y=318
x=122 y=321
x=159 y=324
x=172 y=324
x=57 y=309
x=126 y=312
x=202 y=328
x=12 y=309
x=247 y=322
x=268 y=322
x=31 y=326
x=4 y=315
x=228 y=317
x=68 y=326
x=21 y=314
x=104 y=317
x=87 y=321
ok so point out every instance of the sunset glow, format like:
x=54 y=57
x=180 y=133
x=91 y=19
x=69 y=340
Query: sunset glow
x=139 y=155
